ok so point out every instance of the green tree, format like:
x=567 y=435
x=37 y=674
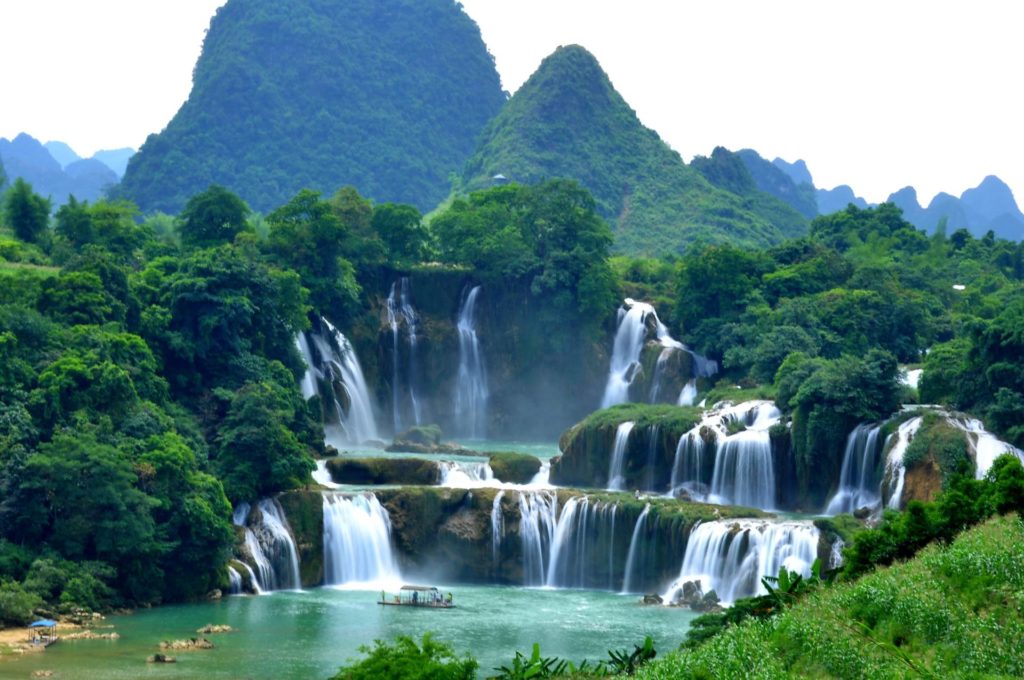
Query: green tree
x=212 y=217
x=401 y=229
x=25 y=211
x=407 y=660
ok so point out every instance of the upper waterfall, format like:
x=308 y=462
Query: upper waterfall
x=471 y=384
x=399 y=309
x=339 y=366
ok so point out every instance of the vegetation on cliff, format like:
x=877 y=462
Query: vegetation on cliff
x=568 y=121
x=386 y=96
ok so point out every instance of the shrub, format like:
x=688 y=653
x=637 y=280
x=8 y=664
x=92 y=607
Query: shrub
x=407 y=660
x=17 y=605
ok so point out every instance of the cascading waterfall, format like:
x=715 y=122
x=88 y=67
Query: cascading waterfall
x=835 y=557
x=497 y=526
x=630 y=337
x=271 y=546
x=234 y=581
x=987 y=447
x=465 y=475
x=895 y=471
x=399 y=306
x=471 y=385
x=357 y=542
x=634 y=545
x=322 y=477
x=688 y=394
x=309 y=378
x=580 y=542
x=859 y=477
x=744 y=471
x=652 y=457
x=616 y=481
x=340 y=366
x=731 y=556
x=537 y=519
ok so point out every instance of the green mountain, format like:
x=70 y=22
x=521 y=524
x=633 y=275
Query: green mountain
x=567 y=120
x=384 y=95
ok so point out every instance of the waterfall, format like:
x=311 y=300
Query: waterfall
x=543 y=477
x=235 y=581
x=497 y=526
x=629 y=342
x=322 y=477
x=271 y=546
x=987 y=447
x=341 y=367
x=399 y=308
x=895 y=472
x=471 y=384
x=537 y=520
x=835 y=556
x=744 y=471
x=688 y=394
x=309 y=378
x=582 y=544
x=731 y=556
x=357 y=542
x=616 y=481
x=634 y=543
x=466 y=475
x=659 y=374
x=652 y=457
x=858 y=478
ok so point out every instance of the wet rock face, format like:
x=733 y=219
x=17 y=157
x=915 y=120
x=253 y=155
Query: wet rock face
x=923 y=481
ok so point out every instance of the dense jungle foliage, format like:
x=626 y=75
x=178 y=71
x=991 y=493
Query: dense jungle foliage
x=567 y=120
x=148 y=369
x=311 y=94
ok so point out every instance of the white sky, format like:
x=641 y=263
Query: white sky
x=875 y=94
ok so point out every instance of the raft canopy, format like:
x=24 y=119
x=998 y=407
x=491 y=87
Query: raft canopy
x=43 y=623
x=419 y=588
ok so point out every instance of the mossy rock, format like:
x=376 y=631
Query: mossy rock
x=383 y=471
x=423 y=435
x=514 y=468
x=304 y=511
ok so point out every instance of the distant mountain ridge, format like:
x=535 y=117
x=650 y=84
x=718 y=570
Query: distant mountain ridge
x=384 y=95
x=568 y=120
x=26 y=157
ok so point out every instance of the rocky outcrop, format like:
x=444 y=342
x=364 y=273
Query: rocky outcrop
x=587 y=446
x=383 y=471
x=514 y=468
x=304 y=510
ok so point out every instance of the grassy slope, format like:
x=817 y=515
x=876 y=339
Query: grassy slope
x=955 y=611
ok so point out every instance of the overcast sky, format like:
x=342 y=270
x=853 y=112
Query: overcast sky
x=873 y=94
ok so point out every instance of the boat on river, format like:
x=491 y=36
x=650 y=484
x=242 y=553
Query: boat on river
x=417 y=596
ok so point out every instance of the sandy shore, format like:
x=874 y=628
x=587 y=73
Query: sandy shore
x=17 y=641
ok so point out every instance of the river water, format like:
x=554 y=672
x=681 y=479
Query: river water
x=309 y=634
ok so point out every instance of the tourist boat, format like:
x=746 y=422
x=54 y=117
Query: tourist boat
x=418 y=596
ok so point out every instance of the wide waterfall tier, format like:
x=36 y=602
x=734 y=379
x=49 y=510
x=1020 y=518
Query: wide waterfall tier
x=727 y=458
x=860 y=476
x=471 y=392
x=586 y=542
x=731 y=557
x=270 y=545
x=672 y=370
x=333 y=372
x=357 y=543
x=401 y=314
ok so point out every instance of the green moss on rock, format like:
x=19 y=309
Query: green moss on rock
x=514 y=468
x=383 y=471
x=305 y=514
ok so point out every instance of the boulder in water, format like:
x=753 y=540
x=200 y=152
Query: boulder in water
x=652 y=598
x=160 y=658
x=188 y=645
x=514 y=468
x=211 y=628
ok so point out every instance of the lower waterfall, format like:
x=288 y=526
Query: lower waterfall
x=634 y=544
x=465 y=475
x=357 y=542
x=859 y=477
x=895 y=471
x=583 y=545
x=270 y=543
x=731 y=556
x=234 y=581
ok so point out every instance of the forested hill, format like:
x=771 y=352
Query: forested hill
x=568 y=120
x=384 y=95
